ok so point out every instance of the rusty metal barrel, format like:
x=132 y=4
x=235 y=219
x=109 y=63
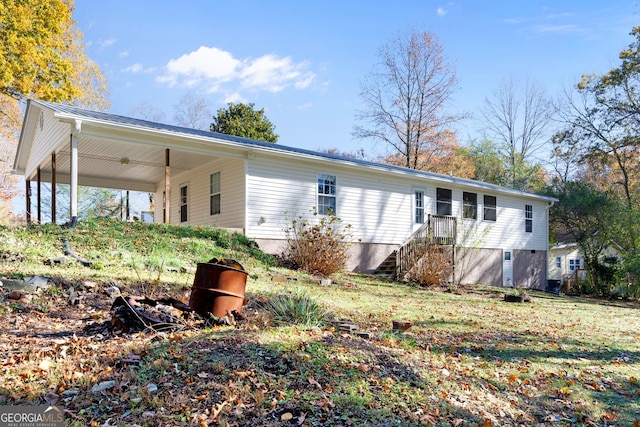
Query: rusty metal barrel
x=218 y=289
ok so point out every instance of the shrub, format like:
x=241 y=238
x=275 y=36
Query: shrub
x=433 y=268
x=318 y=246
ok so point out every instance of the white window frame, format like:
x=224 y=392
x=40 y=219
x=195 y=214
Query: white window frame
x=215 y=192
x=489 y=208
x=419 y=198
x=184 y=202
x=326 y=195
x=467 y=205
x=558 y=262
x=528 y=218
x=574 y=264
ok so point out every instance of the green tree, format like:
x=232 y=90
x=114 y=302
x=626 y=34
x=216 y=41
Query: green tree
x=244 y=121
x=587 y=216
x=493 y=164
x=604 y=124
x=488 y=162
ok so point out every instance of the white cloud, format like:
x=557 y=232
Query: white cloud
x=137 y=68
x=234 y=97
x=556 y=29
x=441 y=11
x=107 y=43
x=217 y=71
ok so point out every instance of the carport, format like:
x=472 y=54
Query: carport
x=66 y=145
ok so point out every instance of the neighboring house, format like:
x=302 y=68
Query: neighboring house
x=566 y=260
x=258 y=188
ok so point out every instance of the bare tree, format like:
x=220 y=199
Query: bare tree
x=405 y=96
x=192 y=111
x=517 y=116
x=146 y=111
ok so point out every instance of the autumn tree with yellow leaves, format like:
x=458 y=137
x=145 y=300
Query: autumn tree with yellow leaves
x=42 y=57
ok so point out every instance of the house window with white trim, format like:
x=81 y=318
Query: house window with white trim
x=490 y=208
x=419 y=211
x=558 y=262
x=528 y=218
x=443 y=201
x=469 y=205
x=184 y=203
x=326 y=194
x=214 y=194
x=574 y=264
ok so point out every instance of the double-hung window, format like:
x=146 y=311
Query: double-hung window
x=419 y=211
x=528 y=218
x=214 y=194
x=490 y=208
x=443 y=201
x=469 y=205
x=326 y=194
x=184 y=203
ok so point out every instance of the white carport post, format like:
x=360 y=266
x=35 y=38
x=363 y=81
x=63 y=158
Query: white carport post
x=167 y=188
x=73 y=173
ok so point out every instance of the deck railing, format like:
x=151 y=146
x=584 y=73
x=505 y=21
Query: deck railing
x=438 y=230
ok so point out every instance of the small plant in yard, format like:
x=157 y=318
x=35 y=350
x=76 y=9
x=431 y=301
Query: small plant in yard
x=294 y=308
x=318 y=245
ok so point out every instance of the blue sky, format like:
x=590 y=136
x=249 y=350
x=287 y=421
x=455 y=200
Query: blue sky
x=303 y=61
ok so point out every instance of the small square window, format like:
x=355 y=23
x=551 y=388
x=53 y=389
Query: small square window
x=507 y=256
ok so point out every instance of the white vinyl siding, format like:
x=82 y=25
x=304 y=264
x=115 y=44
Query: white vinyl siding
x=380 y=208
x=232 y=192
x=52 y=135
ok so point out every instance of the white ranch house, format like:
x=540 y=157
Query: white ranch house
x=204 y=178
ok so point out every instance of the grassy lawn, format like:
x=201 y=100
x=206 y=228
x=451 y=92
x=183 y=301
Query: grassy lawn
x=469 y=358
